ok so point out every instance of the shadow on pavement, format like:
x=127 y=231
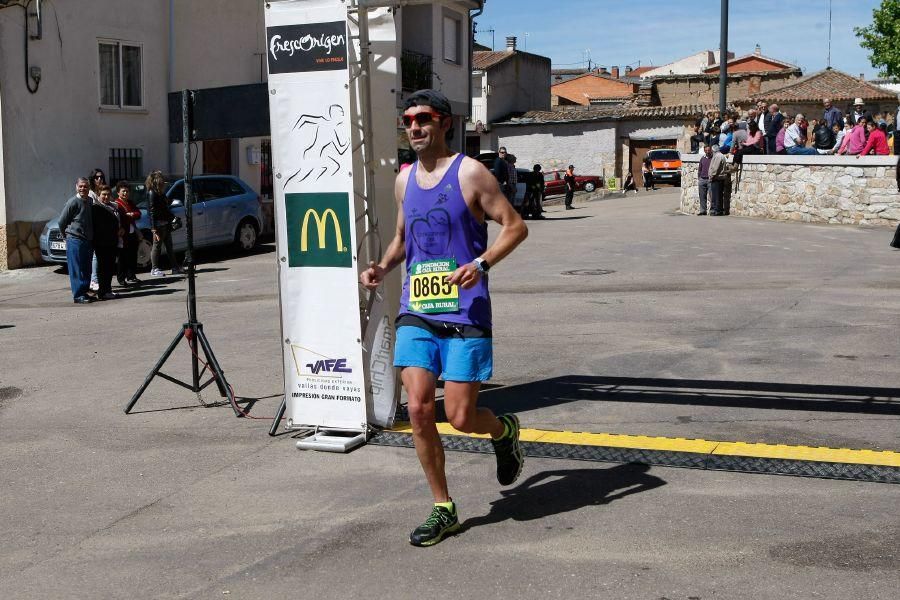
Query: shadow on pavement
x=145 y=292
x=6 y=326
x=566 y=218
x=693 y=392
x=564 y=490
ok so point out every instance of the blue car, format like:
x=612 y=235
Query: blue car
x=225 y=211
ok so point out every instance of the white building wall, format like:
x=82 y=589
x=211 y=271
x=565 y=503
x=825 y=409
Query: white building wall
x=690 y=65
x=590 y=146
x=59 y=133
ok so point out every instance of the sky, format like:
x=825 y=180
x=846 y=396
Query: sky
x=616 y=33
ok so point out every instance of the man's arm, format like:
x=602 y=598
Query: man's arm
x=479 y=185
x=65 y=218
x=372 y=277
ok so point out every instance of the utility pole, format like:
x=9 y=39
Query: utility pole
x=829 y=34
x=723 y=61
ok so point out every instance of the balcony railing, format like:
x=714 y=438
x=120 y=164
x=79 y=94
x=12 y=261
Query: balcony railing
x=415 y=69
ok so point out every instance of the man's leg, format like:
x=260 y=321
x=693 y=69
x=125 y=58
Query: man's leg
x=715 y=190
x=419 y=384
x=460 y=398
x=704 y=193
x=443 y=520
x=74 y=266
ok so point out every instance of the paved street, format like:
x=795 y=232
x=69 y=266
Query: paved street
x=621 y=316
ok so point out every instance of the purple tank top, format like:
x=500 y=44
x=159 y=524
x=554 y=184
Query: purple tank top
x=439 y=226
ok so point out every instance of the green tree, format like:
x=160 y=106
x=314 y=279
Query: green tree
x=882 y=38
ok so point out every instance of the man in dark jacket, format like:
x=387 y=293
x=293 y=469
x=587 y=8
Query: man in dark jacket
x=501 y=171
x=773 y=123
x=77 y=227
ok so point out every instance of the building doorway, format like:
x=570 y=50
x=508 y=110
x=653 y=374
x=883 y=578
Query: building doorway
x=638 y=150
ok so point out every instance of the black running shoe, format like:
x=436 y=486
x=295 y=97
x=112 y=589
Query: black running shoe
x=436 y=527
x=509 y=453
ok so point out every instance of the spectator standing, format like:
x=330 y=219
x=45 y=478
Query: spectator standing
x=832 y=114
x=859 y=112
x=128 y=214
x=647 y=174
x=877 y=143
x=773 y=126
x=569 y=179
x=161 y=218
x=703 y=178
x=513 y=179
x=795 y=138
x=97 y=178
x=717 y=170
x=501 y=171
x=76 y=224
x=854 y=141
x=534 y=193
x=107 y=233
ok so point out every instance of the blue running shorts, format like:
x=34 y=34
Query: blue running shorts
x=450 y=358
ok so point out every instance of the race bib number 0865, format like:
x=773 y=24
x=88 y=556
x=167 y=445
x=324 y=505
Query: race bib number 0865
x=430 y=290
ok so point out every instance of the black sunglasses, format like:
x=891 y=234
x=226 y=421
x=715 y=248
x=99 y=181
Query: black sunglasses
x=422 y=118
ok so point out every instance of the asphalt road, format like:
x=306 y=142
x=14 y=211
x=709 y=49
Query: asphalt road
x=620 y=316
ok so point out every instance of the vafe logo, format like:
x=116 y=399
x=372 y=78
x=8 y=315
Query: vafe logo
x=329 y=365
x=318 y=229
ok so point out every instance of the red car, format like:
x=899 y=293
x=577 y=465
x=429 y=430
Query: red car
x=554 y=183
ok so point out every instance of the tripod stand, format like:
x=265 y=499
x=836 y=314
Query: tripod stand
x=192 y=330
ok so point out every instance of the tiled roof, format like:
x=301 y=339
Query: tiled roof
x=602 y=113
x=829 y=83
x=638 y=71
x=481 y=61
x=768 y=59
x=582 y=88
x=715 y=76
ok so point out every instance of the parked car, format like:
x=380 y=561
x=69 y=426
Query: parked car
x=666 y=164
x=555 y=184
x=225 y=210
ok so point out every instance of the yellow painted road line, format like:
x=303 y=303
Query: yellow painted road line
x=883 y=458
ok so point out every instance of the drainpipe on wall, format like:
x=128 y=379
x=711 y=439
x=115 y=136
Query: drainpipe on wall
x=472 y=16
x=170 y=82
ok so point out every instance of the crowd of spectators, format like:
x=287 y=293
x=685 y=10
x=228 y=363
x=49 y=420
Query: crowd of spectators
x=102 y=237
x=769 y=130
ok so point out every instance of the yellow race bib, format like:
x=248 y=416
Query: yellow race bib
x=430 y=290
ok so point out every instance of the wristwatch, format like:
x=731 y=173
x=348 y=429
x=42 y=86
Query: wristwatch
x=482 y=265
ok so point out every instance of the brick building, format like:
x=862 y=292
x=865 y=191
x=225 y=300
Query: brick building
x=755 y=63
x=591 y=87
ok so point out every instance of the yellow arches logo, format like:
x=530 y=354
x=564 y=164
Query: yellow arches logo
x=321 y=224
x=318 y=229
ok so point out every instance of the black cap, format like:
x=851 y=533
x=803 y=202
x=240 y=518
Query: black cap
x=432 y=98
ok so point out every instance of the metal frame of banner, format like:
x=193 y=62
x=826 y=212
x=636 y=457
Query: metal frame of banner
x=330 y=438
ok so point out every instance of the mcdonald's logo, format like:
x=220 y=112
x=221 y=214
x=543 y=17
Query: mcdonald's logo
x=321 y=223
x=318 y=229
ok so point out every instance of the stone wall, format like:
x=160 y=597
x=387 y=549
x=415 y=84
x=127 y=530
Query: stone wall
x=19 y=246
x=813 y=189
x=704 y=89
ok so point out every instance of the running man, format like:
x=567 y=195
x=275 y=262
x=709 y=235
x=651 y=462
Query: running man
x=444 y=326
